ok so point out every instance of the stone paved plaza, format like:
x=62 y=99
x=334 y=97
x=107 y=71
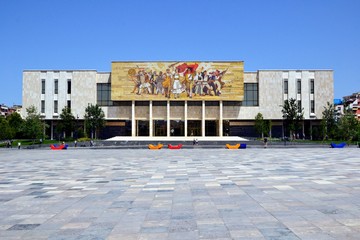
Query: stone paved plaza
x=311 y=193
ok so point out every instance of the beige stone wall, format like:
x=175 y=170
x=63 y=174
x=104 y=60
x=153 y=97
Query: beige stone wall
x=194 y=113
x=212 y=112
x=324 y=91
x=31 y=91
x=116 y=112
x=103 y=77
x=177 y=112
x=270 y=95
x=142 y=112
x=159 y=112
x=231 y=112
x=250 y=77
x=83 y=91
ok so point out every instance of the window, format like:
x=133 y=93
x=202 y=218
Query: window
x=177 y=103
x=69 y=86
x=231 y=104
x=194 y=103
x=312 y=86
x=299 y=86
x=299 y=106
x=251 y=97
x=158 y=103
x=42 y=86
x=212 y=103
x=69 y=104
x=312 y=106
x=286 y=86
x=42 y=106
x=55 y=106
x=56 y=86
x=104 y=94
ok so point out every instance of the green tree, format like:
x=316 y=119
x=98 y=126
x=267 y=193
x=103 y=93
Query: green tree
x=259 y=124
x=5 y=130
x=348 y=126
x=15 y=122
x=67 y=124
x=293 y=115
x=33 y=126
x=328 y=123
x=94 y=119
x=268 y=126
x=262 y=126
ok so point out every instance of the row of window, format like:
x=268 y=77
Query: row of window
x=104 y=94
x=56 y=86
x=312 y=106
x=56 y=108
x=298 y=86
x=251 y=95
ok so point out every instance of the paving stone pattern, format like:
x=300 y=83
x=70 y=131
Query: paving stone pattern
x=180 y=194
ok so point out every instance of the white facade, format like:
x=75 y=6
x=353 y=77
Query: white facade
x=83 y=91
x=271 y=96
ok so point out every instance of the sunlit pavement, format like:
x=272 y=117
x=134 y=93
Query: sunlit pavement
x=278 y=193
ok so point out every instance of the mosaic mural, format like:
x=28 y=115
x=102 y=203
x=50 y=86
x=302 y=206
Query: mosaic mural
x=183 y=80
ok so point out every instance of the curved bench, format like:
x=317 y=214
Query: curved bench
x=155 y=147
x=59 y=147
x=340 y=145
x=236 y=146
x=179 y=146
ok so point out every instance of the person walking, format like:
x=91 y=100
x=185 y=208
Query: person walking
x=265 y=142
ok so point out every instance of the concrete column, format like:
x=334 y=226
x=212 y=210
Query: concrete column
x=221 y=119
x=133 y=122
x=168 y=118
x=150 y=120
x=203 y=119
x=52 y=130
x=185 y=119
x=303 y=128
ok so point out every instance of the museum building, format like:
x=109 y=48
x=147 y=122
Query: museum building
x=185 y=98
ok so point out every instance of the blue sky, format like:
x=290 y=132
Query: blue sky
x=89 y=34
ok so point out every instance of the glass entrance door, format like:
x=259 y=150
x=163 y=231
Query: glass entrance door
x=160 y=127
x=194 y=128
x=211 y=128
x=142 y=128
x=177 y=128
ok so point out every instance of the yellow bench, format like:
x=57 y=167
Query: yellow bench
x=155 y=147
x=236 y=146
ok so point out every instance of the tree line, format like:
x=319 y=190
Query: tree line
x=33 y=126
x=333 y=126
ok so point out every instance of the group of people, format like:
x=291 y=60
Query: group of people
x=177 y=80
x=10 y=142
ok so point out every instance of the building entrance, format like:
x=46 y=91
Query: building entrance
x=142 y=128
x=177 y=128
x=160 y=128
x=211 y=128
x=194 y=128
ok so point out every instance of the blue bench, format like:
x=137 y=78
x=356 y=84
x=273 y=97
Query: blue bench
x=340 y=145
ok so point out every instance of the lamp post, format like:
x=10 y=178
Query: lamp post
x=283 y=128
x=77 y=126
